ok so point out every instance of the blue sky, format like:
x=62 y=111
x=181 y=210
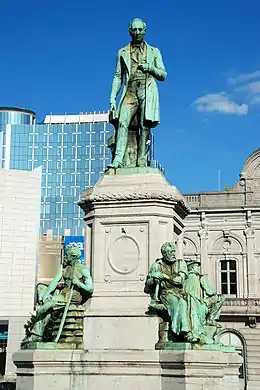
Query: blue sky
x=59 y=56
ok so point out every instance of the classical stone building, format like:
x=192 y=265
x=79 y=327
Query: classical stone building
x=223 y=233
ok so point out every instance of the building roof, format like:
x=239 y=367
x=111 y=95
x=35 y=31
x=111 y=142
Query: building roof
x=17 y=109
x=252 y=165
x=92 y=117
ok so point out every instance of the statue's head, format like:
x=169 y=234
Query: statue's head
x=72 y=255
x=168 y=251
x=193 y=267
x=137 y=30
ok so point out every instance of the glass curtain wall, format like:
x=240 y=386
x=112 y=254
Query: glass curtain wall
x=72 y=156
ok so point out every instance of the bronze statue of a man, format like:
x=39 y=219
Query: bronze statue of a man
x=164 y=283
x=77 y=288
x=138 y=67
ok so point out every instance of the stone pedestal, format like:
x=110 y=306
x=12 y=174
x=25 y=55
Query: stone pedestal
x=129 y=214
x=199 y=370
x=127 y=370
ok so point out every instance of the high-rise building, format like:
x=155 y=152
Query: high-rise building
x=72 y=150
x=73 y=153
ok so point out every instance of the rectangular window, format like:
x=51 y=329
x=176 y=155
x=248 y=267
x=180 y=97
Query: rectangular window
x=229 y=278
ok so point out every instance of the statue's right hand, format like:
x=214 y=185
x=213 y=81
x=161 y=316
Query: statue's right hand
x=112 y=106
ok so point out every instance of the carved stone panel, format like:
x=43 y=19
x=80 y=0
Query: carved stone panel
x=126 y=252
x=129 y=248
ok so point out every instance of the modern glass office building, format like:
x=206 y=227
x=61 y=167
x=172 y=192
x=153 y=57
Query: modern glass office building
x=72 y=152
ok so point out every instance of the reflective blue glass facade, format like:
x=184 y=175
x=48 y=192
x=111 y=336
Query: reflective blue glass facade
x=72 y=156
x=72 y=151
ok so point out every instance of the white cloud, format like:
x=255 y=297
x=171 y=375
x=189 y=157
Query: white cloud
x=219 y=102
x=251 y=88
x=251 y=92
x=244 y=78
x=244 y=88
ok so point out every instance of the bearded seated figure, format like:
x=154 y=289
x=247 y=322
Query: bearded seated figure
x=62 y=298
x=164 y=283
x=188 y=306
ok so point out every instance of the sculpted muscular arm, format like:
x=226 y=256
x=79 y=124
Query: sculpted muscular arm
x=153 y=274
x=85 y=283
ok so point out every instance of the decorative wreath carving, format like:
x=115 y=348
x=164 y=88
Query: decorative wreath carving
x=138 y=195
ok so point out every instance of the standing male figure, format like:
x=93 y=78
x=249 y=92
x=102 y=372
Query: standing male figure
x=138 y=67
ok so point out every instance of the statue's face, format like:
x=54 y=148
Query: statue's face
x=169 y=253
x=71 y=260
x=72 y=255
x=137 y=31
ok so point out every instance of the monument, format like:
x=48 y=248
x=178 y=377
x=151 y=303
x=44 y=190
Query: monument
x=138 y=67
x=133 y=216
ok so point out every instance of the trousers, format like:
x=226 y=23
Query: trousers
x=133 y=103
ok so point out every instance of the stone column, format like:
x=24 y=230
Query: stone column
x=205 y=266
x=179 y=245
x=251 y=262
x=245 y=275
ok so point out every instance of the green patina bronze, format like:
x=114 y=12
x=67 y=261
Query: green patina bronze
x=184 y=300
x=138 y=67
x=130 y=171
x=58 y=322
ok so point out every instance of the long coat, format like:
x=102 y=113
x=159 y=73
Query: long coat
x=122 y=75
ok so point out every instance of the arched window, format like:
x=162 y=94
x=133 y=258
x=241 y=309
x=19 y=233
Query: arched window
x=232 y=339
x=228 y=278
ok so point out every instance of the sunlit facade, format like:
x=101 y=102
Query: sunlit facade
x=16 y=116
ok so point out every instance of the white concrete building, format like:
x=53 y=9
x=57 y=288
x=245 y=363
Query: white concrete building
x=223 y=232
x=20 y=193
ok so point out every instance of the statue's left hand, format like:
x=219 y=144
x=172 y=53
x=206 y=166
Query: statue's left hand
x=144 y=67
